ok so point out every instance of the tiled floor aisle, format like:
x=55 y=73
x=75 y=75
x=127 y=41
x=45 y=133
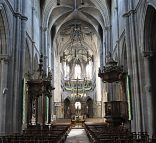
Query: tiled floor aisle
x=77 y=136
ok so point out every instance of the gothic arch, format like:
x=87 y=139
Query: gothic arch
x=4 y=57
x=144 y=11
x=149 y=30
x=3 y=40
x=27 y=64
x=88 y=97
x=124 y=55
x=145 y=83
x=4 y=32
x=89 y=107
x=67 y=108
x=150 y=66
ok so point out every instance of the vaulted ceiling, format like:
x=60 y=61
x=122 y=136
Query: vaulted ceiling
x=76 y=25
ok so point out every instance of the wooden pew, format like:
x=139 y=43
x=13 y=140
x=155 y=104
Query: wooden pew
x=39 y=134
x=104 y=133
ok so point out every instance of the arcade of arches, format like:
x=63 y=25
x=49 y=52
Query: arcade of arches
x=65 y=58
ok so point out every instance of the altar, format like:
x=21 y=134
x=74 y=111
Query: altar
x=77 y=120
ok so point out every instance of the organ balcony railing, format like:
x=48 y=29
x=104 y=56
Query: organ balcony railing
x=82 y=84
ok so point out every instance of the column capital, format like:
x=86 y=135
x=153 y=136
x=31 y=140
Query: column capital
x=148 y=88
x=44 y=28
x=108 y=27
x=4 y=58
x=149 y=54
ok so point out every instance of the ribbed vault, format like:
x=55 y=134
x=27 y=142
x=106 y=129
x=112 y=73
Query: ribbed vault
x=90 y=16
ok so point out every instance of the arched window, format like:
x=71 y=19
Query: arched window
x=78 y=105
x=3 y=48
x=3 y=66
x=66 y=71
x=77 y=71
x=89 y=71
x=3 y=53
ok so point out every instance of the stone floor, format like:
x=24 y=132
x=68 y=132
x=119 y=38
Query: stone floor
x=77 y=135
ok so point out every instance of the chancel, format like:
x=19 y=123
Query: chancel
x=77 y=71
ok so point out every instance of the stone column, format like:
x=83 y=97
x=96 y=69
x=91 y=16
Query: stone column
x=108 y=48
x=16 y=74
x=17 y=65
x=43 y=109
x=101 y=55
x=3 y=92
x=133 y=71
x=49 y=110
x=104 y=48
x=22 y=51
x=52 y=105
x=33 y=36
x=64 y=69
x=108 y=39
x=148 y=96
x=44 y=32
x=36 y=110
x=72 y=107
x=29 y=103
x=122 y=86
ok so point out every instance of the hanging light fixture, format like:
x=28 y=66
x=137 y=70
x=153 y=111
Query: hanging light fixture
x=82 y=2
x=76 y=52
x=58 y=2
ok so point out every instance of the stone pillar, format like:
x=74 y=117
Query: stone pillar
x=43 y=109
x=64 y=69
x=29 y=109
x=17 y=62
x=52 y=104
x=72 y=107
x=108 y=39
x=44 y=32
x=133 y=71
x=104 y=48
x=82 y=108
x=3 y=92
x=33 y=35
x=40 y=109
x=108 y=48
x=101 y=55
x=16 y=83
x=49 y=110
x=36 y=110
x=122 y=86
x=148 y=96
x=98 y=109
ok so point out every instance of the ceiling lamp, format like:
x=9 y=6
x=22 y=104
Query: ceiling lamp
x=82 y=2
x=74 y=52
x=58 y=2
